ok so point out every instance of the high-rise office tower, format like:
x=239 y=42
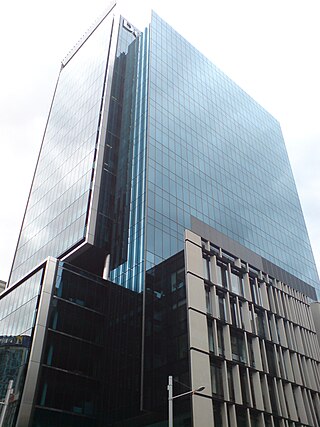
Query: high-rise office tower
x=163 y=235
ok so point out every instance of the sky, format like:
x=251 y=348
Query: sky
x=269 y=47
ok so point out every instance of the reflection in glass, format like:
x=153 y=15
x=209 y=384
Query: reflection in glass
x=238 y=347
x=236 y=283
x=222 y=275
x=222 y=306
x=208 y=150
x=208 y=300
x=216 y=377
x=55 y=218
x=220 y=340
x=93 y=340
x=17 y=318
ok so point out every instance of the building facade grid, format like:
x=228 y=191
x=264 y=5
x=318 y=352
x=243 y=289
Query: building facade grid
x=262 y=347
x=209 y=157
x=147 y=145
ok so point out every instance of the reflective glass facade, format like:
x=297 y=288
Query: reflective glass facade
x=57 y=211
x=166 y=347
x=146 y=136
x=180 y=137
x=217 y=155
x=122 y=198
x=18 y=309
x=90 y=373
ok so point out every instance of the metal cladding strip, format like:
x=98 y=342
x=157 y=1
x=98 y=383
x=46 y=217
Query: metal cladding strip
x=93 y=208
x=31 y=381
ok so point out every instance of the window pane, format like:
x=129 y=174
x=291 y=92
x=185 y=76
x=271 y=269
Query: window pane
x=216 y=378
x=236 y=283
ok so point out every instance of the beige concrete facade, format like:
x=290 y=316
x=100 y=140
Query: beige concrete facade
x=252 y=343
x=315 y=309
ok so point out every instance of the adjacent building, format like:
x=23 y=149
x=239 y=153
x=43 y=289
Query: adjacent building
x=163 y=235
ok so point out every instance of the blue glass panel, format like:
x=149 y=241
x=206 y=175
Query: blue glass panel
x=55 y=218
x=220 y=157
x=18 y=309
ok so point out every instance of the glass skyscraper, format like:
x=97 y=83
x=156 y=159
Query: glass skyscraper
x=190 y=143
x=217 y=155
x=153 y=158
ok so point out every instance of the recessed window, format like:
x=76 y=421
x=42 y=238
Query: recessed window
x=210 y=336
x=236 y=283
x=255 y=291
x=230 y=383
x=222 y=306
x=244 y=386
x=235 y=317
x=270 y=359
x=216 y=378
x=251 y=353
x=220 y=340
x=238 y=348
x=208 y=300
x=259 y=317
x=206 y=268
x=222 y=275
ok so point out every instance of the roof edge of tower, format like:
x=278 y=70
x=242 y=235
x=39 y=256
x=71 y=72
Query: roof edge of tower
x=88 y=33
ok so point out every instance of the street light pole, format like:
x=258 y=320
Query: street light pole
x=170 y=400
x=171 y=397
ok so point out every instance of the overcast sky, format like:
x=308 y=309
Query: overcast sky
x=270 y=48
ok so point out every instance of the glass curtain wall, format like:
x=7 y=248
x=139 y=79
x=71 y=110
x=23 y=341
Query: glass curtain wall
x=216 y=155
x=18 y=309
x=57 y=211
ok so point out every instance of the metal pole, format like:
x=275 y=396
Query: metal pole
x=6 y=402
x=170 y=401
